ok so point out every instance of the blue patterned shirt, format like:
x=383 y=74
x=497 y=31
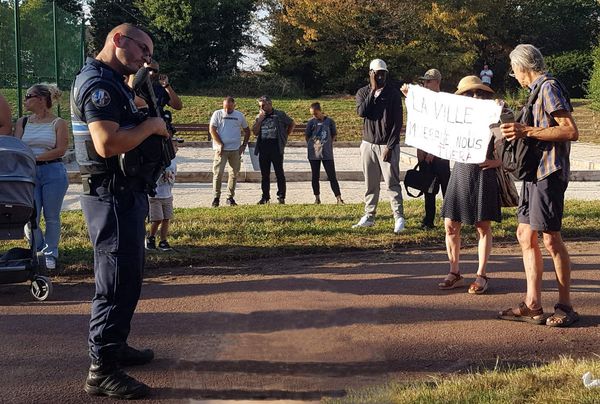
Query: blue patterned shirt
x=551 y=99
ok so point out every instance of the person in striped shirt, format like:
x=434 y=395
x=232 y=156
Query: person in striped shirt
x=542 y=200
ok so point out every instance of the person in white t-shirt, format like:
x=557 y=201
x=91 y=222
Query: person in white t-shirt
x=226 y=126
x=486 y=75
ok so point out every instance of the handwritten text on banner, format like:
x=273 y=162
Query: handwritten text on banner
x=450 y=126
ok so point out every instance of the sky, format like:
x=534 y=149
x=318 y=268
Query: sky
x=252 y=59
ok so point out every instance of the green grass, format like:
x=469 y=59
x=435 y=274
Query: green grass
x=342 y=110
x=557 y=382
x=204 y=236
x=198 y=109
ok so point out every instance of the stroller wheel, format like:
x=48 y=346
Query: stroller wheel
x=41 y=288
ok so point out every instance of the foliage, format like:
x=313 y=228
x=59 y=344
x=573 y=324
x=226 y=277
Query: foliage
x=335 y=40
x=573 y=69
x=554 y=26
x=594 y=85
x=326 y=46
x=37 y=44
x=197 y=40
x=107 y=14
x=250 y=85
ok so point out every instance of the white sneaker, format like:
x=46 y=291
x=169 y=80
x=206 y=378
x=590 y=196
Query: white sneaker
x=399 y=226
x=50 y=262
x=365 y=221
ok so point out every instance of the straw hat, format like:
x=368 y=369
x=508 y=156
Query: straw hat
x=469 y=83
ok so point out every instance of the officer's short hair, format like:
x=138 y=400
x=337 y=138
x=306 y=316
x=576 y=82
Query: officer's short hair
x=127 y=27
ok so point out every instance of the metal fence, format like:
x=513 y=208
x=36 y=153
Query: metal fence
x=40 y=42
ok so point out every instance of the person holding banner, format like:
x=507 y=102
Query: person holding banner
x=541 y=204
x=472 y=197
x=380 y=106
x=438 y=166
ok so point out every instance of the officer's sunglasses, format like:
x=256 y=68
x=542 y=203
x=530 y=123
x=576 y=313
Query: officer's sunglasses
x=143 y=47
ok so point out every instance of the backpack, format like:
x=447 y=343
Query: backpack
x=521 y=157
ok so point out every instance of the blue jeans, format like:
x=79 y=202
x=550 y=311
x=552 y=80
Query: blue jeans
x=51 y=185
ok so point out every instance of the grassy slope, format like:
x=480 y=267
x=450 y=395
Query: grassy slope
x=198 y=109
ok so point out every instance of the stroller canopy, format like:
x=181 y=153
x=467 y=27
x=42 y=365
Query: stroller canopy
x=17 y=172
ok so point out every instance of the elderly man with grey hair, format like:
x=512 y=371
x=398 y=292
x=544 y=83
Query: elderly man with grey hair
x=551 y=128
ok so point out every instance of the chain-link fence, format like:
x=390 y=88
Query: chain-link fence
x=41 y=40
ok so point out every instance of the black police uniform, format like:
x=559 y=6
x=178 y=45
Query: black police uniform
x=114 y=206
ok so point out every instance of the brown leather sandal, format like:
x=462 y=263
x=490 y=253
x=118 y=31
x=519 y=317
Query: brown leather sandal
x=524 y=314
x=478 y=289
x=452 y=281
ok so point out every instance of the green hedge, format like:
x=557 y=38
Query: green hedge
x=573 y=69
x=594 y=85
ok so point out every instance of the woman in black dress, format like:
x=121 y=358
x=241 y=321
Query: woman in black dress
x=472 y=198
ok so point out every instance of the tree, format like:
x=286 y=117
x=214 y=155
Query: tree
x=196 y=40
x=107 y=14
x=339 y=37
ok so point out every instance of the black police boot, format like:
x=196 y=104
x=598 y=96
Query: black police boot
x=106 y=379
x=133 y=357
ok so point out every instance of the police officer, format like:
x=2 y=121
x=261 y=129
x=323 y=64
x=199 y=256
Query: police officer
x=106 y=124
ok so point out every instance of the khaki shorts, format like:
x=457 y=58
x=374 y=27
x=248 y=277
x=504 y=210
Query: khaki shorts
x=160 y=209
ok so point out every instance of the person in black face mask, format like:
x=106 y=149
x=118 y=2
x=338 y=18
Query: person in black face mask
x=380 y=106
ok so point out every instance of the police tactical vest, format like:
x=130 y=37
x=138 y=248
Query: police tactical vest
x=90 y=75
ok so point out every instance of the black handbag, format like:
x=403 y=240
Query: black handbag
x=421 y=178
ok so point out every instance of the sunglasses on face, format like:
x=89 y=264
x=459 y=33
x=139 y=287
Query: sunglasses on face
x=143 y=47
x=473 y=93
x=29 y=96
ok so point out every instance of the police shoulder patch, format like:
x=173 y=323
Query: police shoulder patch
x=100 y=98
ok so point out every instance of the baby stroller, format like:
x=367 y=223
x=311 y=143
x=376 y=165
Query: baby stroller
x=17 y=208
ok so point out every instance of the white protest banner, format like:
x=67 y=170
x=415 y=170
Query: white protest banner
x=453 y=127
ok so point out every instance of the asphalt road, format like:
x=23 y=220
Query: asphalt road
x=296 y=328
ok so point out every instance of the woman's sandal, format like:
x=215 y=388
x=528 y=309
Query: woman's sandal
x=524 y=314
x=452 y=281
x=477 y=288
x=563 y=316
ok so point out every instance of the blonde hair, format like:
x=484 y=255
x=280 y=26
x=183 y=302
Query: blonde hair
x=49 y=91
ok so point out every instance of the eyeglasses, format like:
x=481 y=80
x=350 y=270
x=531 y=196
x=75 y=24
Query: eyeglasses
x=28 y=96
x=473 y=93
x=143 y=47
